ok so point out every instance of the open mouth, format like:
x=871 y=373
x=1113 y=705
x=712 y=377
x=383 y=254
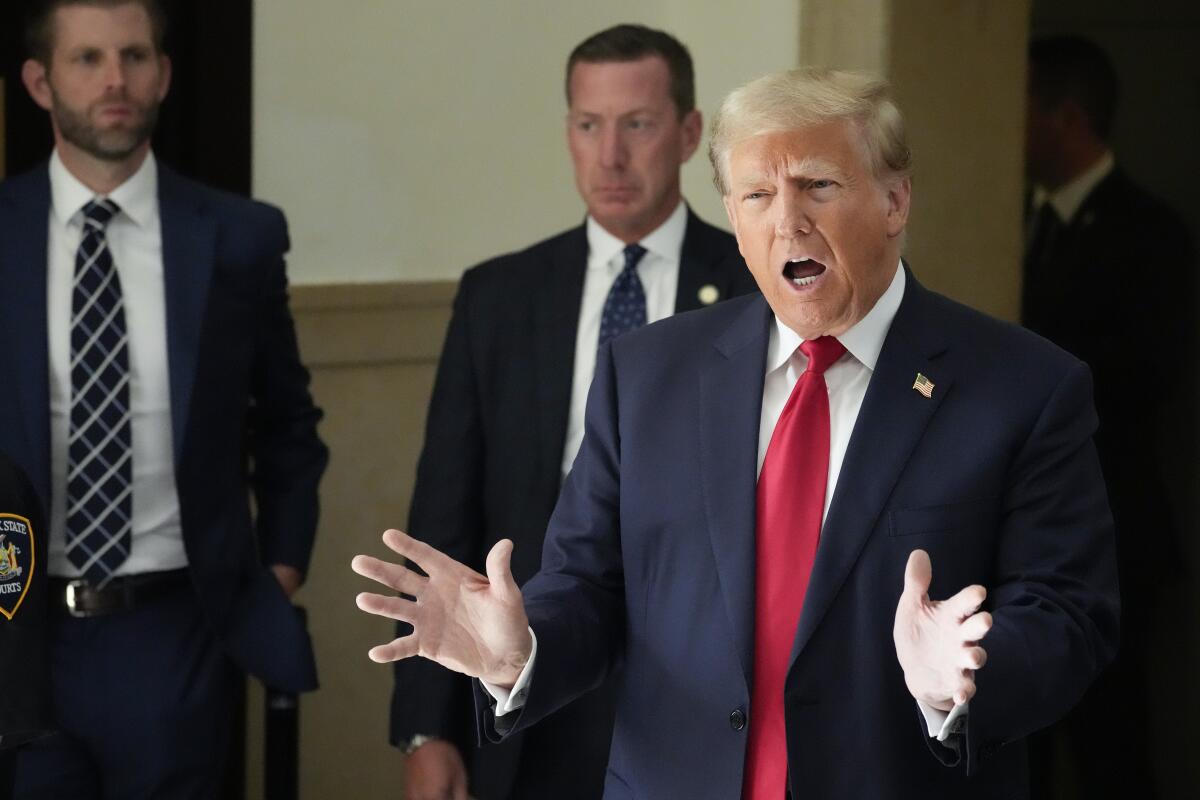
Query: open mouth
x=803 y=271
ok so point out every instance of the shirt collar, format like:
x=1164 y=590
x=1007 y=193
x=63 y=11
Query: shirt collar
x=863 y=340
x=136 y=197
x=1068 y=198
x=665 y=241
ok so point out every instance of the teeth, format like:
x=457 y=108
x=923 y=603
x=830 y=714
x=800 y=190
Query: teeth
x=798 y=260
x=805 y=281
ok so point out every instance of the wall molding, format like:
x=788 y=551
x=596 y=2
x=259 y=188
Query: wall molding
x=358 y=324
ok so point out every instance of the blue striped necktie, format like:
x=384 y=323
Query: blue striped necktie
x=625 y=307
x=99 y=454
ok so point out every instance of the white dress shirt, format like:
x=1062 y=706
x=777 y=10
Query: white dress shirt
x=659 y=273
x=135 y=240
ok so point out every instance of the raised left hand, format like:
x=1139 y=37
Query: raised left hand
x=938 y=641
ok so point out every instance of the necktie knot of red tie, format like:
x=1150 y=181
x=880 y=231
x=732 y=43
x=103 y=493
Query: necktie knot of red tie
x=822 y=352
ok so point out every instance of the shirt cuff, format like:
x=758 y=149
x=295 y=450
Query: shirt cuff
x=944 y=724
x=510 y=700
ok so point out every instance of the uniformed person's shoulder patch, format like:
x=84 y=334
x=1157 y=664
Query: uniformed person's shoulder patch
x=17 y=553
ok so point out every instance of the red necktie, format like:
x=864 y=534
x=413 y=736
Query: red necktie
x=791 y=500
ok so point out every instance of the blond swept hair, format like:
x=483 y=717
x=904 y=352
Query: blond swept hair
x=802 y=98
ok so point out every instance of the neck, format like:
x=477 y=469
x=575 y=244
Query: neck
x=635 y=231
x=100 y=175
x=1075 y=162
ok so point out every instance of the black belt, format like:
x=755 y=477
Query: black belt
x=123 y=593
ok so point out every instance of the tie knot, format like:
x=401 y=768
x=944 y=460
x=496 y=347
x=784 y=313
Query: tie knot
x=822 y=352
x=99 y=212
x=633 y=254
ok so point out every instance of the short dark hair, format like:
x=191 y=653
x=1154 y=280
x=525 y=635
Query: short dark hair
x=1073 y=68
x=39 y=23
x=633 y=43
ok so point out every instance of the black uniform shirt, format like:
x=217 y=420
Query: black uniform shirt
x=24 y=658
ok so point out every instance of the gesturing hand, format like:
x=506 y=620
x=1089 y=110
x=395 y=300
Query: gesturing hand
x=464 y=621
x=937 y=641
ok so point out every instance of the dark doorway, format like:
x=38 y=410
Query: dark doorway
x=1157 y=122
x=204 y=130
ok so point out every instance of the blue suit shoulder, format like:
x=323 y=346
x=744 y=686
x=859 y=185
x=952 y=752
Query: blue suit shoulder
x=992 y=344
x=231 y=209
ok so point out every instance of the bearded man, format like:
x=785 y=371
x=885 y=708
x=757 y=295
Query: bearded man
x=149 y=354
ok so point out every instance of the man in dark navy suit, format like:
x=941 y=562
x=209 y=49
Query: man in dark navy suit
x=154 y=384
x=506 y=416
x=771 y=491
x=1090 y=227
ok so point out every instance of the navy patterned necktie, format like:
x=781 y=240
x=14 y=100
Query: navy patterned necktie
x=625 y=308
x=99 y=455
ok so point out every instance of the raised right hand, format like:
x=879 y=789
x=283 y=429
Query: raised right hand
x=435 y=771
x=464 y=621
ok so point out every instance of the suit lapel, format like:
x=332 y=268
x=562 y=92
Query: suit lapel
x=189 y=250
x=557 y=318
x=23 y=264
x=699 y=266
x=890 y=423
x=730 y=406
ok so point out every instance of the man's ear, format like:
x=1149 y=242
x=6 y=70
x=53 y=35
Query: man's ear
x=36 y=78
x=693 y=129
x=899 y=195
x=164 y=66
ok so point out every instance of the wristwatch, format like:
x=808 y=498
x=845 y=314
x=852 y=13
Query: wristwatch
x=416 y=741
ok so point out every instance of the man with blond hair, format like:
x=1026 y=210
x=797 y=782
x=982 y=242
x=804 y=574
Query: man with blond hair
x=770 y=492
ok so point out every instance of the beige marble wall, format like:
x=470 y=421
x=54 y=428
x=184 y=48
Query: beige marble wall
x=959 y=71
x=372 y=350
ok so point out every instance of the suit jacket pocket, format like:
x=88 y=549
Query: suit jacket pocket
x=968 y=516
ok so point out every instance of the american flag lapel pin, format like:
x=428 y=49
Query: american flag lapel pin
x=923 y=385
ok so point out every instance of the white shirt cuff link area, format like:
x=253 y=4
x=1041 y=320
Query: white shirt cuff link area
x=944 y=724
x=510 y=700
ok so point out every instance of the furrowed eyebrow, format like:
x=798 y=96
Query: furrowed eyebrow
x=812 y=169
x=751 y=180
x=806 y=169
x=642 y=111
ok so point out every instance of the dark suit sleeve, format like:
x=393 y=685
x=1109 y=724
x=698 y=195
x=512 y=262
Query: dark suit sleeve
x=287 y=455
x=1053 y=592
x=447 y=512
x=576 y=603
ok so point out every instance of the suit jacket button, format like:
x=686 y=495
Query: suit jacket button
x=737 y=719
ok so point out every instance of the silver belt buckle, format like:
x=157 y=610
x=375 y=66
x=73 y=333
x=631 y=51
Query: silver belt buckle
x=73 y=592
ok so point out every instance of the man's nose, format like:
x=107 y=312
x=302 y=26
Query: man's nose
x=613 y=152
x=792 y=215
x=114 y=73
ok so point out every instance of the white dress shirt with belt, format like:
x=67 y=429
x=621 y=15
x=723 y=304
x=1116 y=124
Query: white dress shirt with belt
x=135 y=241
x=847 y=380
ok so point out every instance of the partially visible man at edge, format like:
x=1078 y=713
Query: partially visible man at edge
x=506 y=415
x=156 y=385
x=1089 y=224
x=771 y=491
